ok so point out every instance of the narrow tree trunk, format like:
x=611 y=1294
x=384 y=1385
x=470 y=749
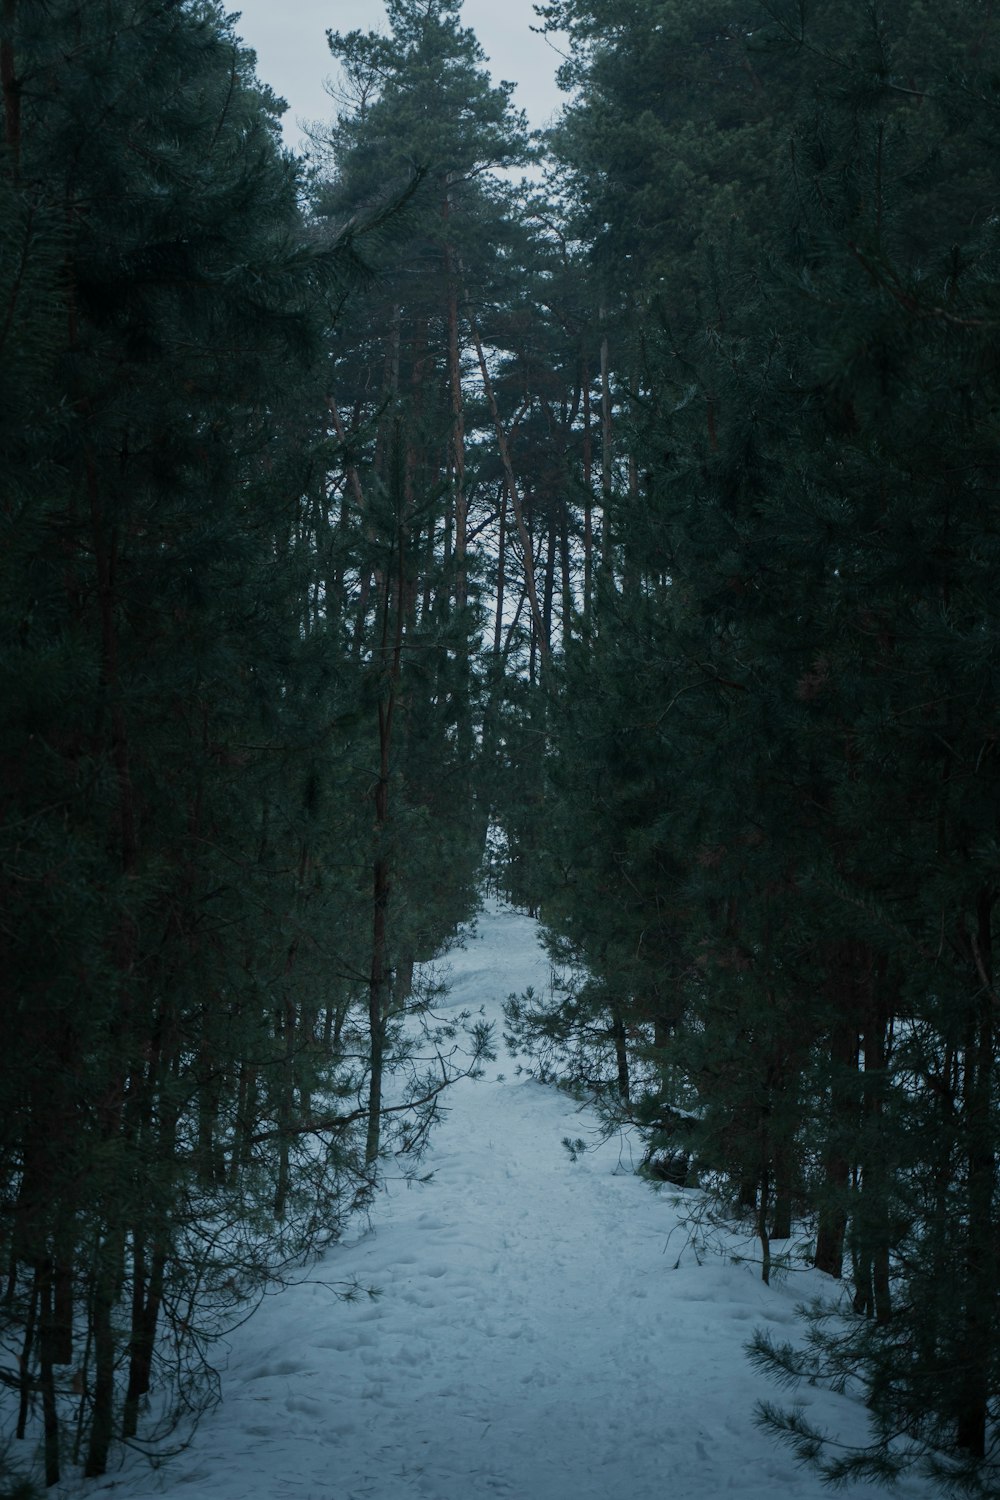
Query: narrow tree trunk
x=105 y=1280
x=457 y=421
x=378 y=984
x=208 y=1113
x=548 y=594
x=605 y=449
x=515 y=621
x=630 y=571
x=62 y=1313
x=390 y=387
x=588 y=505
x=831 y=1227
x=24 y=1360
x=621 y=1054
x=781 y=1214
x=286 y=1085
x=762 y=1234
x=145 y=1317
x=873 y=1294
x=50 y=1415
x=525 y=539
x=354 y=490
x=567 y=573
x=246 y=1103
x=501 y=573
x=979 y=1315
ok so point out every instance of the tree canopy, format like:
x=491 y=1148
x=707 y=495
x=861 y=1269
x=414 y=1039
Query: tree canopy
x=628 y=533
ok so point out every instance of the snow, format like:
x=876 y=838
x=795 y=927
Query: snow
x=534 y=1337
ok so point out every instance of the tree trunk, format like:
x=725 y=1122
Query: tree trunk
x=50 y=1415
x=588 y=505
x=762 y=1234
x=781 y=1213
x=147 y=1294
x=501 y=572
x=105 y=1282
x=831 y=1228
x=378 y=985
x=457 y=419
x=522 y=530
x=979 y=1315
x=379 y=979
x=567 y=572
x=62 y=1312
x=550 y=575
x=873 y=1292
x=605 y=449
x=621 y=1054
x=24 y=1361
x=390 y=387
x=287 y=1030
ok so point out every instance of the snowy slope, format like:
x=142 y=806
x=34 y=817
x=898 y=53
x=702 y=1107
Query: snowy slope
x=533 y=1337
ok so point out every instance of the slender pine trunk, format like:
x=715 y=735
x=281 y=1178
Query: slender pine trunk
x=982 y=1271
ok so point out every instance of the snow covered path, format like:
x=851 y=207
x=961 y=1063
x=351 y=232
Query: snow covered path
x=532 y=1340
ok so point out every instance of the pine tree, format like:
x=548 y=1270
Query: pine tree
x=798 y=598
x=418 y=109
x=181 y=841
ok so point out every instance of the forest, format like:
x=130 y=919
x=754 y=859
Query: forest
x=608 y=513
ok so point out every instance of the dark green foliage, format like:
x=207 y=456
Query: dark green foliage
x=724 y=408
x=770 y=805
x=189 y=725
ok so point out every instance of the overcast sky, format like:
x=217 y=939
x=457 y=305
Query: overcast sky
x=289 y=37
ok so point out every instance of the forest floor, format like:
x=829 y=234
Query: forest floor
x=545 y=1329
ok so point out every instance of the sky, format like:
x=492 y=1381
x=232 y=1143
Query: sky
x=289 y=38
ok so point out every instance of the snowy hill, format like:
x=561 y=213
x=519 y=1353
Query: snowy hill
x=533 y=1337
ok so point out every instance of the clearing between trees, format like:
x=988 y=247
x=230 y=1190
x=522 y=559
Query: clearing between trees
x=544 y=1328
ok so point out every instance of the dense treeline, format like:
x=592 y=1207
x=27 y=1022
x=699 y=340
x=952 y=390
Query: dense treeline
x=216 y=864
x=770 y=821
x=648 y=512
